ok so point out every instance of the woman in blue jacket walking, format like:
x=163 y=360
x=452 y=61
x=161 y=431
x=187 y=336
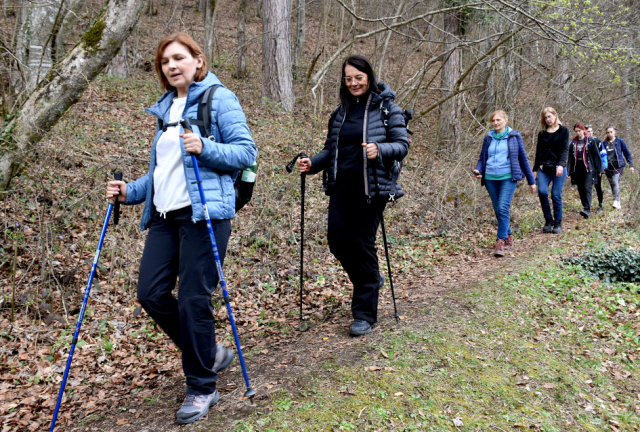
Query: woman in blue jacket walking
x=178 y=245
x=617 y=152
x=502 y=164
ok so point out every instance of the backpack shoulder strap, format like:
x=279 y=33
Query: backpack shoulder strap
x=204 y=111
x=385 y=107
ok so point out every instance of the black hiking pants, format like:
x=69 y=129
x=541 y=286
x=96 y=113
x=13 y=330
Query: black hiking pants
x=353 y=224
x=584 y=181
x=598 y=186
x=178 y=248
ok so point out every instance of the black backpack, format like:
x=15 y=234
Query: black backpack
x=408 y=115
x=243 y=188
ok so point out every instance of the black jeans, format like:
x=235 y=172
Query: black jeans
x=598 y=187
x=353 y=224
x=584 y=181
x=178 y=248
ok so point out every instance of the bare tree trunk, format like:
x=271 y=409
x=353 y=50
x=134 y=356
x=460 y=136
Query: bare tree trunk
x=386 y=41
x=277 y=78
x=119 y=66
x=58 y=91
x=301 y=30
x=33 y=42
x=241 y=68
x=151 y=11
x=450 y=130
x=201 y=5
x=486 y=97
x=211 y=10
x=628 y=79
x=69 y=21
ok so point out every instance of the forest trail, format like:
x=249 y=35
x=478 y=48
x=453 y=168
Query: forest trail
x=274 y=367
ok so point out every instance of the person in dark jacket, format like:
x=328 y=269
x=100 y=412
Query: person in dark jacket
x=178 y=246
x=552 y=150
x=502 y=164
x=617 y=152
x=603 y=158
x=584 y=166
x=361 y=162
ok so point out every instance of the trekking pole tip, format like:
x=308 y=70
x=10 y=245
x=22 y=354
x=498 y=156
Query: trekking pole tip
x=250 y=393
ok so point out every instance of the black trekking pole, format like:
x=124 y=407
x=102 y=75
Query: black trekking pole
x=303 y=176
x=118 y=176
x=250 y=393
x=386 y=247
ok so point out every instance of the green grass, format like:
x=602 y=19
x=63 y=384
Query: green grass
x=543 y=347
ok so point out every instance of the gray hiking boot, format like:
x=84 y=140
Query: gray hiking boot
x=224 y=357
x=360 y=328
x=195 y=407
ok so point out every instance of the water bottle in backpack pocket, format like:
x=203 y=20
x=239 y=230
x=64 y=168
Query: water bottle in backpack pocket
x=244 y=184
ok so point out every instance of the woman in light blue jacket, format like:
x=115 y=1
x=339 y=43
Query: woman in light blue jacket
x=502 y=164
x=178 y=246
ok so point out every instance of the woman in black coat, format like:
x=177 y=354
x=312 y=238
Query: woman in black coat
x=366 y=141
x=585 y=166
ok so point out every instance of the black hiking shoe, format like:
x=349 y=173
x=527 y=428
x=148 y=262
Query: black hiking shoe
x=548 y=226
x=585 y=213
x=360 y=327
x=600 y=210
x=195 y=407
x=224 y=357
x=557 y=227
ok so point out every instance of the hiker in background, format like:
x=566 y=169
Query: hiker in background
x=603 y=158
x=552 y=150
x=617 y=152
x=502 y=164
x=178 y=246
x=361 y=138
x=584 y=166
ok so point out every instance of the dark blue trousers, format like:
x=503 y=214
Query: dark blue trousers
x=178 y=249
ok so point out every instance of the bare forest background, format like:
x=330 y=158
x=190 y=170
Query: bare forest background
x=76 y=75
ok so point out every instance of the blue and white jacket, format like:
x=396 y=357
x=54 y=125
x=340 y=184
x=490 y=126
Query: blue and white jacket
x=232 y=149
x=520 y=167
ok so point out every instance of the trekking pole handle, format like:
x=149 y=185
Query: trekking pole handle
x=186 y=125
x=117 y=175
x=289 y=167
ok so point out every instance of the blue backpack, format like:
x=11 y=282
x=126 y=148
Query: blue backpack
x=603 y=153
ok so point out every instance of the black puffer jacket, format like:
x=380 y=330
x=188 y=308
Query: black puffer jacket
x=392 y=141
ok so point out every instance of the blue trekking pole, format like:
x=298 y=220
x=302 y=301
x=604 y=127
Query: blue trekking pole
x=250 y=393
x=118 y=176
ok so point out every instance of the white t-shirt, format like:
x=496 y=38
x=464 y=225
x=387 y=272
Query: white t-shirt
x=169 y=182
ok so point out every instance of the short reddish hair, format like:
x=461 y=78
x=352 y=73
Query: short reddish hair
x=187 y=41
x=580 y=126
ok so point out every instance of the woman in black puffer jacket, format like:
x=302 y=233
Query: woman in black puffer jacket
x=361 y=163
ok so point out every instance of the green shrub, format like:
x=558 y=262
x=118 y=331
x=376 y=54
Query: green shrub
x=610 y=265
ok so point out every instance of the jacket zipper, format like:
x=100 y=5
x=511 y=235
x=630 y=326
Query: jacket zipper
x=364 y=150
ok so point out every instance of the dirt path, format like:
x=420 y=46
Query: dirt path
x=276 y=367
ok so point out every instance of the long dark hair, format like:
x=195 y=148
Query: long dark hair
x=363 y=64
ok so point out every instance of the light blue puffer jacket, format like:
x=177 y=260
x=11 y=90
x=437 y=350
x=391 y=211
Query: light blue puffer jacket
x=232 y=150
